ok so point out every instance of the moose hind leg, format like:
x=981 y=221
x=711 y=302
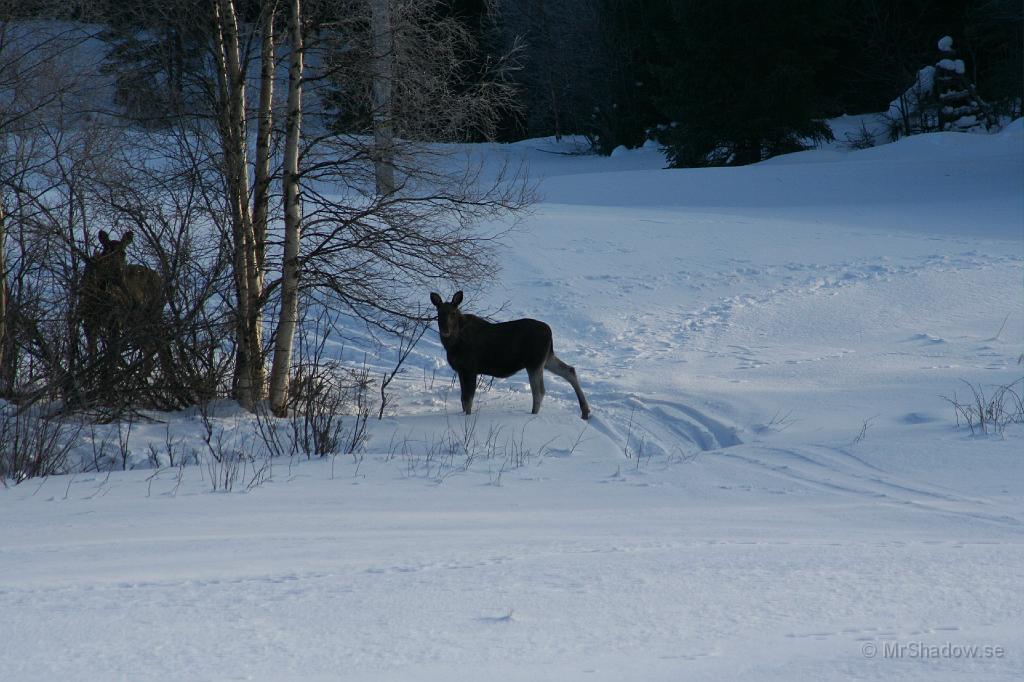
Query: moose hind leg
x=556 y=366
x=536 y=387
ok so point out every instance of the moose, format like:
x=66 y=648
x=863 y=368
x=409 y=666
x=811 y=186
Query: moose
x=118 y=300
x=499 y=349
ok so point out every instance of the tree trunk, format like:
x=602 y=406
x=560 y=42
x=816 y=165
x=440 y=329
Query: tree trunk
x=292 y=223
x=5 y=370
x=261 y=185
x=250 y=374
x=383 y=76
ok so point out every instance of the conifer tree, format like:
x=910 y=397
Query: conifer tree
x=960 y=108
x=740 y=86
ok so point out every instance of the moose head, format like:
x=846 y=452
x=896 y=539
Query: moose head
x=110 y=264
x=449 y=317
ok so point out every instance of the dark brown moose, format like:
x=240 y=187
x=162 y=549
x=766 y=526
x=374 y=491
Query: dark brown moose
x=118 y=301
x=499 y=349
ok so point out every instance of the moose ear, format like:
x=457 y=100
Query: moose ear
x=457 y=298
x=435 y=299
x=127 y=238
x=104 y=238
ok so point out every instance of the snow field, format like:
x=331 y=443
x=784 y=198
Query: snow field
x=771 y=486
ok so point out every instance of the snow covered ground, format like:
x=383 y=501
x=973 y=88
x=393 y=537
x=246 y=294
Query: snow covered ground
x=771 y=486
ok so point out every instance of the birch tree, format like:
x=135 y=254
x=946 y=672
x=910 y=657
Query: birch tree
x=4 y=354
x=265 y=129
x=289 y=311
x=248 y=237
x=383 y=76
x=367 y=253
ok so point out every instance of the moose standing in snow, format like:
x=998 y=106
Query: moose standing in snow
x=499 y=349
x=119 y=302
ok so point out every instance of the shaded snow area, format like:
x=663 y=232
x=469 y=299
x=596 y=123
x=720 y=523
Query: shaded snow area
x=771 y=486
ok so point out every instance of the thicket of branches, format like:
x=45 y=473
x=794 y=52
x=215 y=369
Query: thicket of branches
x=243 y=145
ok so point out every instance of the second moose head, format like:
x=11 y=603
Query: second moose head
x=500 y=349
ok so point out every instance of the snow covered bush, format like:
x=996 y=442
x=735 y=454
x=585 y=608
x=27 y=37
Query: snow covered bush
x=960 y=106
x=911 y=113
x=942 y=97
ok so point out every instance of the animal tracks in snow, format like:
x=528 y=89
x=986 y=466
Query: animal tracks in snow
x=659 y=332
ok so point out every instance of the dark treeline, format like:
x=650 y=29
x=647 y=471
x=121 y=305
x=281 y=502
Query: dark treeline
x=690 y=71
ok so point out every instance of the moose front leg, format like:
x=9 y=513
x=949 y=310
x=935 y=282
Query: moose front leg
x=467 y=382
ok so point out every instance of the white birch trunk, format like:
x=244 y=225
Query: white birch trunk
x=3 y=298
x=261 y=184
x=383 y=76
x=250 y=374
x=292 y=223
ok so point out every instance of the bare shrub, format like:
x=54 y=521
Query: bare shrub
x=992 y=411
x=862 y=139
x=863 y=433
x=273 y=434
x=101 y=450
x=408 y=335
x=224 y=470
x=171 y=452
x=173 y=224
x=324 y=396
x=31 y=444
x=230 y=455
x=465 y=445
x=64 y=181
x=779 y=422
x=124 y=434
x=326 y=392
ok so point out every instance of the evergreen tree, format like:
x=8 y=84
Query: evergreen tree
x=994 y=42
x=562 y=65
x=941 y=98
x=960 y=107
x=153 y=53
x=740 y=86
x=626 y=92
